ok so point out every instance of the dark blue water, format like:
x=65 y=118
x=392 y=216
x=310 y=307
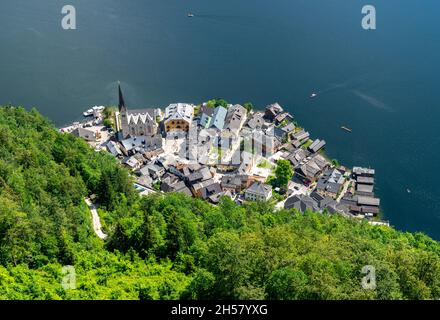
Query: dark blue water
x=383 y=83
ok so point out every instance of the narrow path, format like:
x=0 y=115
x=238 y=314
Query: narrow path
x=97 y=227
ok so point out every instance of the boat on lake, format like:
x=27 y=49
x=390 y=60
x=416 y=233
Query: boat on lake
x=313 y=95
x=92 y=111
x=190 y=15
x=346 y=129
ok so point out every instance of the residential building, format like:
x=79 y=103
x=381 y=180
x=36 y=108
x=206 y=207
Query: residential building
x=235 y=118
x=132 y=162
x=363 y=172
x=205 y=116
x=284 y=116
x=178 y=117
x=211 y=191
x=258 y=192
x=113 y=148
x=85 y=134
x=330 y=183
x=301 y=203
x=153 y=170
x=289 y=128
x=272 y=111
x=218 y=118
x=317 y=145
x=301 y=136
x=256 y=121
x=141 y=144
x=311 y=168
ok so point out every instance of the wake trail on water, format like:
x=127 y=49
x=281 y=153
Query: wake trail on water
x=353 y=86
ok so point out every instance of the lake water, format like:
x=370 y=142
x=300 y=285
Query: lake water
x=383 y=83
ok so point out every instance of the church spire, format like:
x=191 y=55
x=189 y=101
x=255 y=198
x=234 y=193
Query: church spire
x=122 y=107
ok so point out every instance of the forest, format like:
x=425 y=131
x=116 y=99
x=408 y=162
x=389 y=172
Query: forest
x=170 y=246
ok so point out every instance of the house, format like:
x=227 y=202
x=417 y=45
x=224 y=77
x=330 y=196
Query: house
x=358 y=204
x=276 y=132
x=284 y=116
x=131 y=145
x=247 y=162
x=365 y=180
x=152 y=170
x=140 y=122
x=145 y=181
x=265 y=144
x=205 y=116
x=216 y=197
x=198 y=187
x=301 y=203
x=179 y=187
x=256 y=121
x=235 y=183
x=113 y=148
x=317 y=145
x=167 y=161
x=85 y=134
x=311 y=169
x=178 y=117
x=330 y=183
x=365 y=190
x=258 y=192
x=199 y=176
x=136 y=144
x=235 y=118
x=272 y=111
x=218 y=118
x=324 y=202
x=211 y=191
x=189 y=169
x=139 y=157
x=172 y=183
x=301 y=136
x=167 y=181
x=368 y=201
x=289 y=128
x=132 y=162
x=298 y=156
x=363 y=172
x=315 y=202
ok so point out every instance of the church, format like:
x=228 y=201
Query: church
x=137 y=122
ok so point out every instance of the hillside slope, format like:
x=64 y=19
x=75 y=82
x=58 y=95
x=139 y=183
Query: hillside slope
x=171 y=246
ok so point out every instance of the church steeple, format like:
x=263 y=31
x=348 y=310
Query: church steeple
x=122 y=107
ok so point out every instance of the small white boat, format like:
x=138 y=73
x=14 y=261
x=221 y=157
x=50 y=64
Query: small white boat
x=408 y=190
x=190 y=15
x=88 y=113
x=313 y=95
x=98 y=108
x=92 y=111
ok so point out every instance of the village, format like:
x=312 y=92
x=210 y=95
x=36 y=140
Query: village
x=216 y=150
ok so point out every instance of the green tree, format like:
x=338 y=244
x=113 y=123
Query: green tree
x=248 y=106
x=283 y=172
